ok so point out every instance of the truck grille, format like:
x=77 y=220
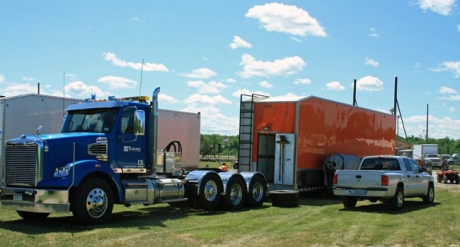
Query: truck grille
x=21 y=164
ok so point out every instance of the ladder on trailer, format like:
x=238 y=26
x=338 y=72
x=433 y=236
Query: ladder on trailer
x=246 y=130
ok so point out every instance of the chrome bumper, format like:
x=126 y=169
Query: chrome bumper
x=35 y=200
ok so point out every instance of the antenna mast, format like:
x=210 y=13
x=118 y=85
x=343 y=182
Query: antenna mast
x=140 y=84
x=63 y=93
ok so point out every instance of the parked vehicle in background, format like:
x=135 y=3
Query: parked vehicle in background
x=429 y=152
x=454 y=159
x=389 y=179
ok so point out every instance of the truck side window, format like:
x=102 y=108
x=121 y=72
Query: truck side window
x=415 y=167
x=407 y=165
x=127 y=121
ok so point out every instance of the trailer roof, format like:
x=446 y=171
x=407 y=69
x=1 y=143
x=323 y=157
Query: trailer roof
x=37 y=95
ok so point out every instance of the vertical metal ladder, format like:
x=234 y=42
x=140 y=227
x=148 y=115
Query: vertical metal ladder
x=246 y=130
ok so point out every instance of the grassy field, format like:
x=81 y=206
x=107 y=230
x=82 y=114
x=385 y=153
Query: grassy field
x=316 y=222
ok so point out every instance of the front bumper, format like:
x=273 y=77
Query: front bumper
x=35 y=200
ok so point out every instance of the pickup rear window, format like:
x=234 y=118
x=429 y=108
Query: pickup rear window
x=381 y=164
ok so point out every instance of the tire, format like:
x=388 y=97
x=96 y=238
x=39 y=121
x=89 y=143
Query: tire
x=236 y=194
x=284 y=198
x=429 y=197
x=444 y=179
x=349 y=201
x=397 y=202
x=210 y=192
x=439 y=178
x=92 y=202
x=32 y=215
x=257 y=192
x=457 y=179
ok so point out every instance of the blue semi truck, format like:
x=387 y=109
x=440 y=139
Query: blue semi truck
x=106 y=153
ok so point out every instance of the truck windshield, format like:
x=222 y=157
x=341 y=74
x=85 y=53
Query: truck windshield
x=380 y=164
x=90 y=120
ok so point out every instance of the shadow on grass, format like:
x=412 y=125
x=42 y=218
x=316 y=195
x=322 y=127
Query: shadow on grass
x=142 y=218
x=379 y=207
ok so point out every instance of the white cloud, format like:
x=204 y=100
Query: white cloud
x=201 y=73
x=137 y=66
x=79 y=88
x=369 y=83
x=239 y=43
x=458 y=28
x=334 y=85
x=2 y=79
x=373 y=33
x=447 y=90
x=443 y=7
x=230 y=80
x=452 y=98
x=452 y=109
x=137 y=19
x=451 y=66
x=286 y=19
x=214 y=121
x=205 y=99
x=285 y=66
x=14 y=89
x=371 y=62
x=265 y=84
x=438 y=128
x=296 y=39
x=166 y=98
x=25 y=78
x=245 y=91
x=286 y=97
x=302 y=81
x=116 y=82
x=212 y=87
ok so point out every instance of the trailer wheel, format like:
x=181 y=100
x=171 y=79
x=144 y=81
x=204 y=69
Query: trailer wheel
x=236 y=194
x=284 y=198
x=429 y=197
x=349 y=201
x=210 y=191
x=32 y=215
x=257 y=192
x=92 y=202
x=397 y=201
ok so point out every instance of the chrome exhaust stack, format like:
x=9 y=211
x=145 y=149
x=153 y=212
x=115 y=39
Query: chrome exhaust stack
x=154 y=129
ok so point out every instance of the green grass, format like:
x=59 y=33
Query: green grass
x=319 y=222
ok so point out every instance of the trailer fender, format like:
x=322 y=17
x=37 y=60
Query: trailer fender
x=248 y=176
x=226 y=177
x=196 y=177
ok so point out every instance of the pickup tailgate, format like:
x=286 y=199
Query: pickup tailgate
x=359 y=179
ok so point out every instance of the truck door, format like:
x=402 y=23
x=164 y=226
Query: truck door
x=266 y=156
x=410 y=178
x=130 y=147
x=284 y=159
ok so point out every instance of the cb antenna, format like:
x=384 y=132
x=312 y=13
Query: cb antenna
x=140 y=84
x=63 y=94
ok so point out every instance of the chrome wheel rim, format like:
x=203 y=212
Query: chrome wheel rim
x=210 y=190
x=258 y=191
x=96 y=203
x=236 y=194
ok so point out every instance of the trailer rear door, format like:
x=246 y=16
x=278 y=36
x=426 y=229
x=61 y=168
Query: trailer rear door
x=284 y=159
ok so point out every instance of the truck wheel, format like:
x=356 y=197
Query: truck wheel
x=257 y=192
x=397 y=202
x=349 y=201
x=92 y=202
x=236 y=194
x=32 y=215
x=284 y=198
x=429 y=197
x=210 y=191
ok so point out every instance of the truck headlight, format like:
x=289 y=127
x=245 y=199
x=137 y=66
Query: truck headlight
x=61 y=171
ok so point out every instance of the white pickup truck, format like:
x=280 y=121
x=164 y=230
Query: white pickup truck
x=384 y=178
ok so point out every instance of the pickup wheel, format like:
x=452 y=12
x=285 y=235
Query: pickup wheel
x=349 y=201
x=429 y=197
x=32 y=215
x=210 y=192
x=92 y=202
x=397 y=202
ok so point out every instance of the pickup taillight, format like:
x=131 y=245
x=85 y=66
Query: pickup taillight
x=385 y=181
x=334 y=181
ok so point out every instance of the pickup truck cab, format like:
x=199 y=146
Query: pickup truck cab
x=389 y=179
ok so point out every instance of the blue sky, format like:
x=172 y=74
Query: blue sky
x=204 y=54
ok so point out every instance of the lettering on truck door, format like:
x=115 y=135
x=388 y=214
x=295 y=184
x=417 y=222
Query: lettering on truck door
x=284 y=159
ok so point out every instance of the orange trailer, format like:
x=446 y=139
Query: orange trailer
x=289 y=140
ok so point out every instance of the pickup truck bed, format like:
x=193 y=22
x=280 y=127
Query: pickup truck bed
x=384 y=178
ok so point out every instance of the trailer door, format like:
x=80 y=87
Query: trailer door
x=284 y=159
